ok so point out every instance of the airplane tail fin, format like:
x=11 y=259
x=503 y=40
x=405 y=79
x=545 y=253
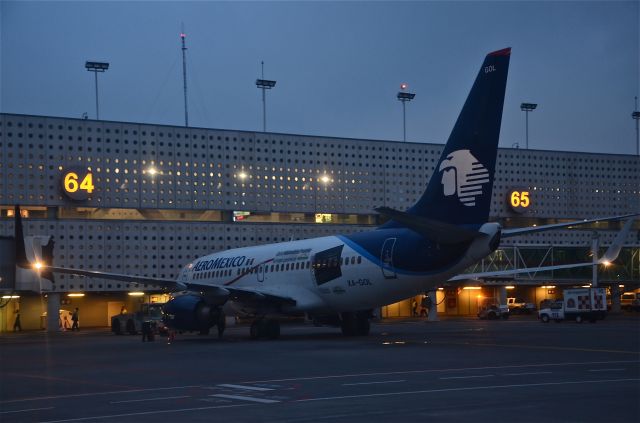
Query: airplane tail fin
x=459 y=191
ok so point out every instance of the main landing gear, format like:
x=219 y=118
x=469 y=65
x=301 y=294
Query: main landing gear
x=222 y=324
x=265 y=328
x=355 y=323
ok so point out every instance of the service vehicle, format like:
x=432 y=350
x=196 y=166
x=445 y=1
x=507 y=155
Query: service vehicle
x=630 y=301
x=578 y=304
x=519 y=306
x=491 y=309
x=132 y=323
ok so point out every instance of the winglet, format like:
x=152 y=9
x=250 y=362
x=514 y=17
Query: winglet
x=616 y=245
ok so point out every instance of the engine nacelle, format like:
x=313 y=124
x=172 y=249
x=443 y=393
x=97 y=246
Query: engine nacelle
x=190 y=312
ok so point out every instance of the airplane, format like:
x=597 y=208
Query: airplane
x=341 y=279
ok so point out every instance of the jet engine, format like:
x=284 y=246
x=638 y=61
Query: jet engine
x=191 y=313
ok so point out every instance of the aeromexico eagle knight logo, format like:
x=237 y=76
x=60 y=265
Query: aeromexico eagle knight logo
x=463 y=175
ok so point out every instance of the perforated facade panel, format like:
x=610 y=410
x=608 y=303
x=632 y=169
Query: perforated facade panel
x=226 y=171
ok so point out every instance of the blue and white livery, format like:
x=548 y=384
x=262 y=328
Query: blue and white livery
x=340 y=279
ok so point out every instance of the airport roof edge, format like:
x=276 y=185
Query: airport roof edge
x=304 y=135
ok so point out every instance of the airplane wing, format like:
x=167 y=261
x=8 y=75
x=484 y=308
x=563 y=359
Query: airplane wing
x=610 y=255
x=243 y=295
x=254 y=299
x=528 y=230
x=169 y=284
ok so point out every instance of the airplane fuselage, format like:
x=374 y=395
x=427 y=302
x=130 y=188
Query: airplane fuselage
x=340 y=273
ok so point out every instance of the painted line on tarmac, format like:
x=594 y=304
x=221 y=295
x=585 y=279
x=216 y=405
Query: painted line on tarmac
x=149 y=399
x=470 y=388
x=130 y=391
x=248 y=388
x=404 y=372
x=607 y=370
x=145 y=413
x=527 y=373
x=26 y=410
x=243 y=398
x=465 y=377
x=537 y=347
x=373 y=383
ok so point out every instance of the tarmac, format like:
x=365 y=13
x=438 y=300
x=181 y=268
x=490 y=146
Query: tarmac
x=456 y=369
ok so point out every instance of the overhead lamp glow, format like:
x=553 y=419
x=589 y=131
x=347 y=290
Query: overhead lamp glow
x=7 y=297
x=75 y=294
x=242 y=175
x=37 y=265
x=510 y=287
x=324 y=179
x=136 y=294
x=472 y=287
x=152 y=171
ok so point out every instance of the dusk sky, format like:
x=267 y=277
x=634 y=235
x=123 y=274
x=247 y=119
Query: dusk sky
x=338 y=65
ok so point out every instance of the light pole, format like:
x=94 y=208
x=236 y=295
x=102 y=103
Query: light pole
x=264 y=84
x=183 y=36
x=636 y=115
x=526 y=108
x=404 y=97
x=96 y=67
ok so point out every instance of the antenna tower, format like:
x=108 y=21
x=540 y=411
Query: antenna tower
x=184 y=74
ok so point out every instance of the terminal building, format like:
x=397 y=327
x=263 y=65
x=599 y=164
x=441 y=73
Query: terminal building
x=145 y=199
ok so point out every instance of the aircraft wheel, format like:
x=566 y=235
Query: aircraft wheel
x=348 y=324
x=362 y=325
x=222 y=324
x=254 y=330
x=131 y=327
x=116 y=327
x=544 y=318
x=578 y=319
x=272 y=329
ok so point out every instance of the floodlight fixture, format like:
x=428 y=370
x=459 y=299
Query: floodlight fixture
x=528 y=107
x=96 y=66
x=265 y=83
x=405 y=96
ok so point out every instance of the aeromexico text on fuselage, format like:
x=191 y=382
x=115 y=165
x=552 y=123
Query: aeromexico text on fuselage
x=222 y=263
